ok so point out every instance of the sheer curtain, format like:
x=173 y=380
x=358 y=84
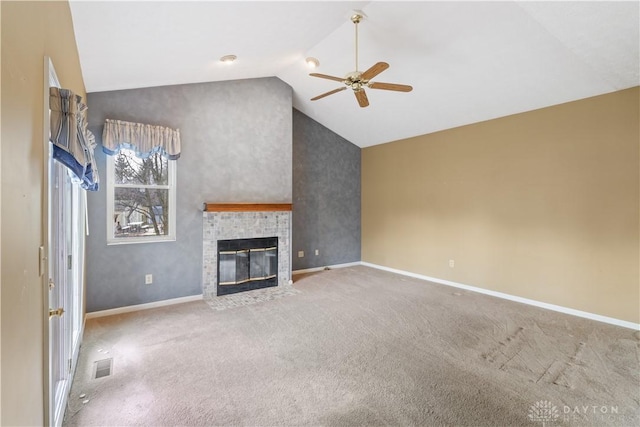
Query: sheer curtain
x=142 y=138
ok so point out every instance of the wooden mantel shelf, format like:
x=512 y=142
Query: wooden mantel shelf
x=246 y=207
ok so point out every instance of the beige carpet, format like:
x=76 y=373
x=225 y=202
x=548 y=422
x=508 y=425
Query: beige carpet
x=357 y=347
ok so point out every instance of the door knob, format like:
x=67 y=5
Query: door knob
x=57 y=312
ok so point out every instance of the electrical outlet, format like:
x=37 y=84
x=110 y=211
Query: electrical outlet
x=148 y=279
x=317 y=252
x=300 y=254
x=452 y=263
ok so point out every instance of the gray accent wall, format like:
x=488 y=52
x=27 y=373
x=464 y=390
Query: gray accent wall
x=236 y=147
x=326 y=196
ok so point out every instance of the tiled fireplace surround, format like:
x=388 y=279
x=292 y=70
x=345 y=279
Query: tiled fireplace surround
x=243 y=225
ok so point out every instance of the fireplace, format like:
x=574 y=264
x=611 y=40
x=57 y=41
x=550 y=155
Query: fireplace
x=247 y=264
x=223 y=223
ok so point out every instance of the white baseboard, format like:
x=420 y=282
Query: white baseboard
x=558 y=308
x=331 y=267
x=138 y=307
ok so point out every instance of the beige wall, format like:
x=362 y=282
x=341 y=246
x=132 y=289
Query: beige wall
x=30 y=30
x=542 y=205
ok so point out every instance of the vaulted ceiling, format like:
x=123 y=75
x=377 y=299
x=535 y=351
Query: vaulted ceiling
x=467 y=61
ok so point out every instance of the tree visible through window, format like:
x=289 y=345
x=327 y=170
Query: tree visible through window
x=141 y=195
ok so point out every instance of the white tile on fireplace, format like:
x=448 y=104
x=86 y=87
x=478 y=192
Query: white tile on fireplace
x=251 y=297
x=243 y=225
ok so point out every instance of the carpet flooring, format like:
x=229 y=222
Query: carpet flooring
x=357 y=347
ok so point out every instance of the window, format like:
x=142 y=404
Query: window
x=141 y=198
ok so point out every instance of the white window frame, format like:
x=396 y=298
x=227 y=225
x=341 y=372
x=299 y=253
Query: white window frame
x=111 y=185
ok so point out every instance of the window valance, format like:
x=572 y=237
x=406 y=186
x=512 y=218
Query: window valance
x=73 y=143
x=142 y=138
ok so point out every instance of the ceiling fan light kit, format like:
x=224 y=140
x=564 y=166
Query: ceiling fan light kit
x=357 y=80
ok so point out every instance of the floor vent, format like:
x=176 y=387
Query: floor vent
x=103 y=368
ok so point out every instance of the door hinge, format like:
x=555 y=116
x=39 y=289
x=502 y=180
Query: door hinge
x=42 y=258
x=69 y=262
x=70 y=365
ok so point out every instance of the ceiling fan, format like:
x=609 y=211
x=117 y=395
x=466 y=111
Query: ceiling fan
x=358 y=80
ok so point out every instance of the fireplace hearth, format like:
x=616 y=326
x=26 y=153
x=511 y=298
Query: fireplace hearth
x=247 y=264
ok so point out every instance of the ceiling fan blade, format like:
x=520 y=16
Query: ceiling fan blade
x=331 y=92
x=390 y=86
x=375 y=70
x=325 y=76
x=361 y=96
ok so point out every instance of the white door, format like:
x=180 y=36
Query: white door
x=59 y=315
x=64 y=274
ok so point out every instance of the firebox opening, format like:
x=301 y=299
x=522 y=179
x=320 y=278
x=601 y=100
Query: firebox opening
x=247 y=264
